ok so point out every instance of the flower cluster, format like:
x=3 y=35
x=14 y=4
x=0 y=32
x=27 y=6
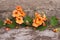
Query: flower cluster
x=18 y=14
x=19 y=17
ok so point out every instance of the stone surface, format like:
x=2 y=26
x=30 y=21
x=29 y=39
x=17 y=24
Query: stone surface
x=50 y=7
x=28 y=34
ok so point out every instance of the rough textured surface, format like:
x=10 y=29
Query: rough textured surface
x=27 y=34
x=50 y=7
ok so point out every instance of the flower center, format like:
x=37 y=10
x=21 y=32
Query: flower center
x=18 y=18
x=39 y=19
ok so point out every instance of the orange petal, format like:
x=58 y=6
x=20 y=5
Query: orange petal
x=16 y=13
x=39 y=21
x=35 y=25
x=19 y=20
x=22 y=13
x=34 y=20
x=37 y=15
x=19 y=8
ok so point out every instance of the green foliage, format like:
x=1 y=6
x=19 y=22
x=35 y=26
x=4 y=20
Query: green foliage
x=53 y=21
x=28 y=20
x=13 y=25
x=1 y=23
x=23 y=25
x=41 y=28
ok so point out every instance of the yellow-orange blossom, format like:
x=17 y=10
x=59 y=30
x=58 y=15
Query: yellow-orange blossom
x=7 y=21
x=18 y=12
x=39 y=20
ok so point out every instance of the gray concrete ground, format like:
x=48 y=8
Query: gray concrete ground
x=50 y=7
x=28 y=34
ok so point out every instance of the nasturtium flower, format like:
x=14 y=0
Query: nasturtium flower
x=7 y=21
x=19 y=20
x=19 y=8
x=18 y=12
x=38 y=21
x=22 y=13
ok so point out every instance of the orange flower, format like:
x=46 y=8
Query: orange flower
x=38 y=20
x=19 y=8
x=22 y=13
x=16 y=13
x=19 y=20
x=7 y=21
